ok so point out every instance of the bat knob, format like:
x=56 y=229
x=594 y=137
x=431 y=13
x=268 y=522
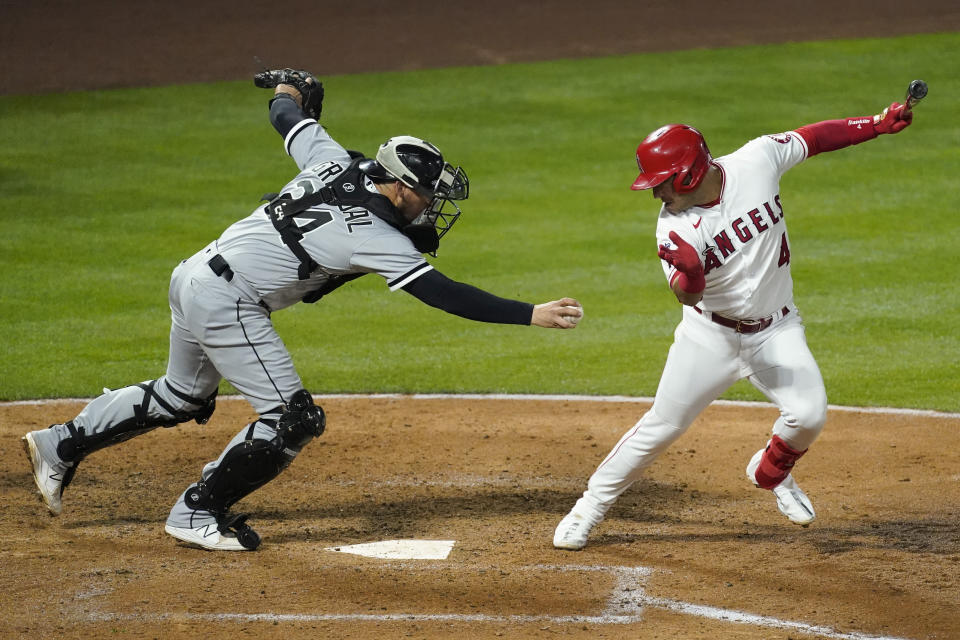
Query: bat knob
x=917 y=89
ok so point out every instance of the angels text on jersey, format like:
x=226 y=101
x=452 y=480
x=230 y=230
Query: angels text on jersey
x=745 y=229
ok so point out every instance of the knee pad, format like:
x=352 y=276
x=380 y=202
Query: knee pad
x=302 y=421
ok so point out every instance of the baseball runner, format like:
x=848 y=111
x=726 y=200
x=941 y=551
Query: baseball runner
x=722 y=237
x=341 y=217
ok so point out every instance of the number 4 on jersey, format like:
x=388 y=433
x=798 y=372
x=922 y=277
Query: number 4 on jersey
x=784 y=251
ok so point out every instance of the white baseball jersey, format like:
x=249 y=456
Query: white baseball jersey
x=348 y=240
x=742 y=238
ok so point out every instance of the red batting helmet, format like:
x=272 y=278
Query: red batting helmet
x=674 y=150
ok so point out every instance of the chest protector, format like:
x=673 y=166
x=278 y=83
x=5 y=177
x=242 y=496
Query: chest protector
x=347 y=190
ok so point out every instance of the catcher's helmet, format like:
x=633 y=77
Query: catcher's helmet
x=676 y=150
x=420 y=166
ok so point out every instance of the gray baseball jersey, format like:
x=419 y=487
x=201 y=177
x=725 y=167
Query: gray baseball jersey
x=351 y=240
x=220 y=318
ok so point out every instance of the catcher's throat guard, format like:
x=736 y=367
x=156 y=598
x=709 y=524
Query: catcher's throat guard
x=452 y=185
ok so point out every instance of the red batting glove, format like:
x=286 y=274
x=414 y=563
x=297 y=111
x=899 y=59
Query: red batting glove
x=894 y=119
x=684 y=257
x=685 y=260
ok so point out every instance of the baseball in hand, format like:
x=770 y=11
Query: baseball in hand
x=575 y=319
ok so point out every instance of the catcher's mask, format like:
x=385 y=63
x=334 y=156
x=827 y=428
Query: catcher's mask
x=420 y=166
x=674 y=150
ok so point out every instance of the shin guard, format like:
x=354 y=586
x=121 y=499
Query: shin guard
x=244 y=468
x=82 y=442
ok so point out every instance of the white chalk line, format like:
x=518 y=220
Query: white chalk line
x=362 y=617
x=625 y=605
x=729 y=615
x=925 y=413
x=462 y=480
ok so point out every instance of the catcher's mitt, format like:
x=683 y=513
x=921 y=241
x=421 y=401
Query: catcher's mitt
x=311 y=90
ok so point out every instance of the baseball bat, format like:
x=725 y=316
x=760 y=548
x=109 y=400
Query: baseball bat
x=915 y=93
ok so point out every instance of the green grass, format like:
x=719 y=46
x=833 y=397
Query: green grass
x=104 y=192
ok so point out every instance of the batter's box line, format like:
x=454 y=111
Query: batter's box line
x=625 y=605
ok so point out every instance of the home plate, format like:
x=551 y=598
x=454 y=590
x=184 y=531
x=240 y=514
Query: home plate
x=400 y=549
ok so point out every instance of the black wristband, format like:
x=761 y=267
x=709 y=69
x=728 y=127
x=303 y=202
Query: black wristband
x=285 y=114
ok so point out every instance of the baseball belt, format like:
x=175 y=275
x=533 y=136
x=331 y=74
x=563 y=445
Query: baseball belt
x=219 y=266
x=745 y=326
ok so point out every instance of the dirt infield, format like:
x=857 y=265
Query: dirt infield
x=693 y=550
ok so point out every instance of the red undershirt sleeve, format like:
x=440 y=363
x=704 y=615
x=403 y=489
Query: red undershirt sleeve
x=831 y=135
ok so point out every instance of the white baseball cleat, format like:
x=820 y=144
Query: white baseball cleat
x=572 y=532
x=791 y=500
x=206 y=536
x=46 y=475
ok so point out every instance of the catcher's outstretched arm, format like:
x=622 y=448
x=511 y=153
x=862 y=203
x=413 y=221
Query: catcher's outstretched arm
x=467 y=301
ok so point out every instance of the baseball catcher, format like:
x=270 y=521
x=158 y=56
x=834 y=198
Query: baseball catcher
x=342 y=216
